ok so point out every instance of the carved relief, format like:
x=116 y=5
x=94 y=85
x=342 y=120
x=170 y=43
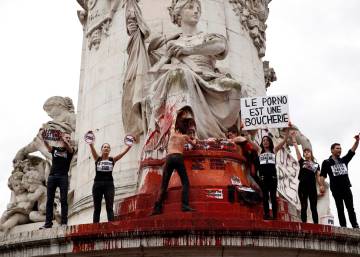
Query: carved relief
x=253 y=15
x=269 y=74
x=96 y=18
x=28 y=193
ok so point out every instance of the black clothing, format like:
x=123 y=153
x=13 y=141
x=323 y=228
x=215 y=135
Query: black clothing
x=307 y=188
x=103 y=169
x=106 y=189
x=341 y=197
x=340 y=186
x=174 y=161
x=103 y=186
x=58 y=177
x=337 y=171
x=308 y=192
x=52 y=184
x=268 y=182
x=61 y=160
x=267 y=164
x=269 y=186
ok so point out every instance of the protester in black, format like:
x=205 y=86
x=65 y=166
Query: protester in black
x=337 y=169
x=58 y=177
x=268 y=174
x=104 y=182
x=308 y=175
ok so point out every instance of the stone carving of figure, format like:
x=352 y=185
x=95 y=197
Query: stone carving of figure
x=18 y=209
x=33 y=182
x=137 y=68
x=186 y=76
x=61 y=110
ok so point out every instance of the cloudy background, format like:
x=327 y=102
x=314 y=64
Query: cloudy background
x=314 y=47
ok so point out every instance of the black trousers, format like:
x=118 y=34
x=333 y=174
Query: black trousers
x=106 y=189
x=306 y=192
x=174 y=161
x=54 y=182
x=269 y=187
x=345 y=196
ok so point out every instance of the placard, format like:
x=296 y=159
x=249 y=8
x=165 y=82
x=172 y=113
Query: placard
x=89 y=137
x=265 y=112
x=51 y=134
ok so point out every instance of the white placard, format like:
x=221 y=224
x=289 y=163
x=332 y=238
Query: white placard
x=265 y=112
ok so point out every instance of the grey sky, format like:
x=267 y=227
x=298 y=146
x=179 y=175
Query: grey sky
x=314 y=47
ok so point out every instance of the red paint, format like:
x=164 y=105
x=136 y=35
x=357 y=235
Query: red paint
x=212 y=219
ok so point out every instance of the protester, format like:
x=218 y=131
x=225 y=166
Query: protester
x=58 y=177
x=308 y=175
x=337 y=169
x=175 y=160
x=268 y=174
x=104 y=182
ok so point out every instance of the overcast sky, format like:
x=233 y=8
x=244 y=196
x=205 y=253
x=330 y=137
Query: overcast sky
x=314 y=47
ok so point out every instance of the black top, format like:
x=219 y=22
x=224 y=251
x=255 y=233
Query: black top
x=337 y=171
x=61 y=160
x=267 y=164
x=103 y=169
x=308 y=170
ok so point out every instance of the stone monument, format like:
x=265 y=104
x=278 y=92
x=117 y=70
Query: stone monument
x=145 y=64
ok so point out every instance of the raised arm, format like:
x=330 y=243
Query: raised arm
x=93 y=152
x=282 y=143
x=356 y=144
x=297 y=150
x=120 y=155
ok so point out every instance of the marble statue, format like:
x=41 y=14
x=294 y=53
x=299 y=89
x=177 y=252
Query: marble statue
x=33 y=182
x=186 y=77
x=61 y=110
x=27 y=182
x=28 y=193
x=136 y=72
x=18 y=209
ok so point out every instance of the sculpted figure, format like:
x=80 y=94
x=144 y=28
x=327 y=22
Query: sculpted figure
x=186 y=76
x=18 y=209
x=33 y=182
x=61 y=110
x=136 y=71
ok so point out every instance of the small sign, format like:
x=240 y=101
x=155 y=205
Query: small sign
x=129 y=140
x=89 y=137
x=265 y=112
x=214 y=193
x=51 y=134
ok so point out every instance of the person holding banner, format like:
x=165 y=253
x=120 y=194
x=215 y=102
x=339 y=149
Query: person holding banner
x=309 y=174
x=337 y=169
x=58 y=177
x=267 y=173
x=104 y=182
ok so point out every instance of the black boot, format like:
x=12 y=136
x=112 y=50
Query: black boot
x=157 y=209
x=186 y=208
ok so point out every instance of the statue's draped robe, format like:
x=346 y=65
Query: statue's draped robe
x=137 y=68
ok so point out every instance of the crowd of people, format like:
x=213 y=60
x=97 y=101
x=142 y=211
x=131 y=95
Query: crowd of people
x=263 y=156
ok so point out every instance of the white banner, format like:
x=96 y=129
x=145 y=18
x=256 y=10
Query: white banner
x=265 y=112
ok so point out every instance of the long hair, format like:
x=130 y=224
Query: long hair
x=271 y=144
x=312 y=154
